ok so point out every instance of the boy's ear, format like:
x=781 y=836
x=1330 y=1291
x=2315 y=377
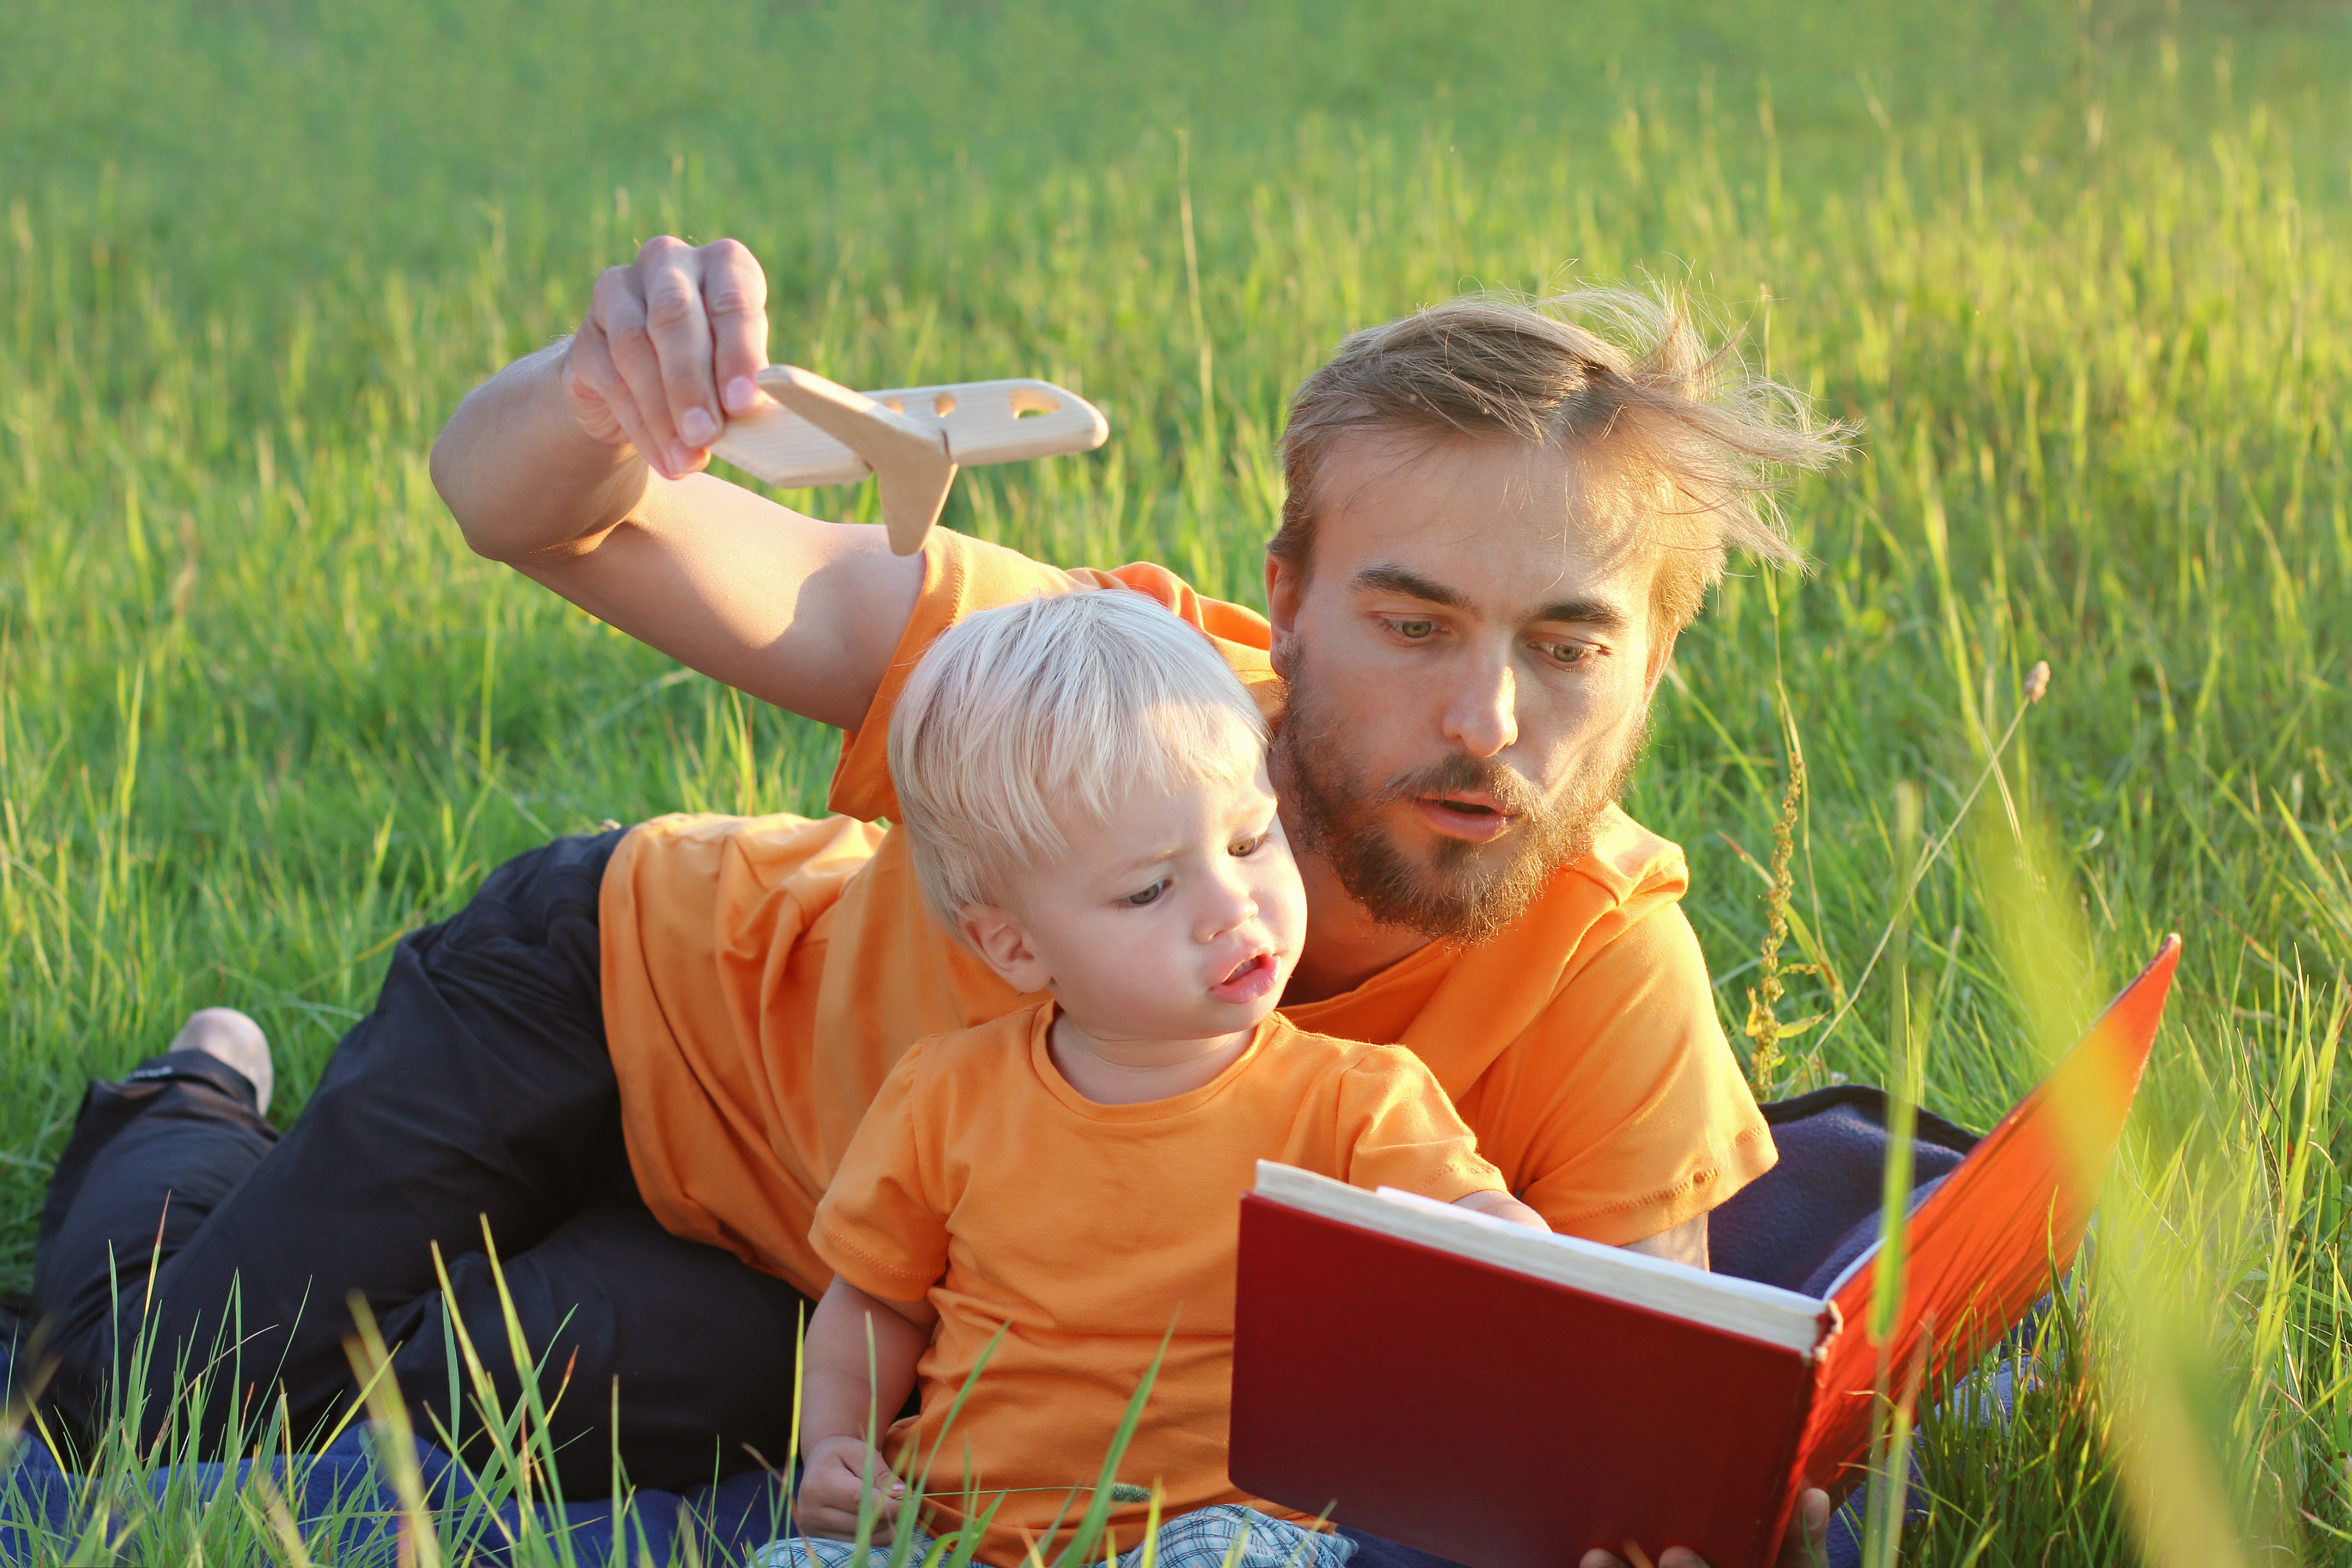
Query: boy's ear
x=1003 y=946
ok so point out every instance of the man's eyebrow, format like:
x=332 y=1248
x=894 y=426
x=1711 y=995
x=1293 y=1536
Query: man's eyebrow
x=1394 y=579
x=1599 y=613
x=1603 y=614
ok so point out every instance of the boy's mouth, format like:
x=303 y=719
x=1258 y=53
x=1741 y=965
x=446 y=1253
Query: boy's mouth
x=1248 y=981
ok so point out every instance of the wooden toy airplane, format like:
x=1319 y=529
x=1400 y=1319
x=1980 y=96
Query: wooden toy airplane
x=910 y=438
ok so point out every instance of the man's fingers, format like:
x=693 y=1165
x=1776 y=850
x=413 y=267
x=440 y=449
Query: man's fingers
x=679 y=332
x=1672 y=1557
x=620 y=309
x=670 y=346
x=599 y=398
x=1805 y=1545
x=1799 y=1548
x=735 y=295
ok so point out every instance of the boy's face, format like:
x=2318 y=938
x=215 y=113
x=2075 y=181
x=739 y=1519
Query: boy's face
x=1177 y=918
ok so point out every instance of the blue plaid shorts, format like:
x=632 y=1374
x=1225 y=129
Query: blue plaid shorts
x=1224 y=1535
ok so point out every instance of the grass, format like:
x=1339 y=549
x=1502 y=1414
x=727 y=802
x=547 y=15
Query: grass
x=2081 y=271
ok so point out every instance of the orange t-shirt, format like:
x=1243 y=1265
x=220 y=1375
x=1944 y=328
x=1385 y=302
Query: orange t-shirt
x=761 y=975
x=982 y=1180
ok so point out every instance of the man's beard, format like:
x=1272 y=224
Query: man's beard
x=1461 y=891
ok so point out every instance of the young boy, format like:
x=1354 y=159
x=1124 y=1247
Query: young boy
x=1084 y=781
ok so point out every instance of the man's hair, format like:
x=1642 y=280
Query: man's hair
x=1031 y=715
x=1708 y=436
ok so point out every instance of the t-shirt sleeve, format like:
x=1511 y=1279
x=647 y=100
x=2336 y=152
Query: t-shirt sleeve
x=882 y=1224
x=1396 y=1129
x=963 y=574
x=1654 y=1124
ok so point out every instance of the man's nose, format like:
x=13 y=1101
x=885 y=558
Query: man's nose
x=1483 y=714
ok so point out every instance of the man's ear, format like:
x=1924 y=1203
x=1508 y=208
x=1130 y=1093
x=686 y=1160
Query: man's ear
x=1662 y=654
x=1286 y=588
x=1003 y=946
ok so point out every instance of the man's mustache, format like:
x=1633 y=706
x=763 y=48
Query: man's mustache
x=1459 y=773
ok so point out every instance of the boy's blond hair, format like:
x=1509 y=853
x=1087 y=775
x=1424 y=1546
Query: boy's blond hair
x=1030 y=715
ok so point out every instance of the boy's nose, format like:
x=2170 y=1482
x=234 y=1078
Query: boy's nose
x=1233 y=906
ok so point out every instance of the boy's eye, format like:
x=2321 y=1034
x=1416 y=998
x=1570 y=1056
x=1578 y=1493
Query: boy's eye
x=1249 y=846
x=1149 y=895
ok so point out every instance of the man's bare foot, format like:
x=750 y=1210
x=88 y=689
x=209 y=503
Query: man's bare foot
x=228 y=1035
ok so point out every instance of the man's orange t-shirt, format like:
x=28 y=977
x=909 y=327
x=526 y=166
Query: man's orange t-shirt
x=761 y=976
x=981 y=1180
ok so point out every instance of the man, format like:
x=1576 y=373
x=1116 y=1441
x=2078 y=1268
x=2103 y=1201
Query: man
x=634 y=1059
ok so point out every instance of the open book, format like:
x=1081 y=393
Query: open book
x=1511 y=1399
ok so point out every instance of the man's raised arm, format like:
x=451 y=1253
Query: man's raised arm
x=578 y=466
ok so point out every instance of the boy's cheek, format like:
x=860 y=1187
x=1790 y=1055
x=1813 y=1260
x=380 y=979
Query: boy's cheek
x=1119 y=969
x=1282 y=907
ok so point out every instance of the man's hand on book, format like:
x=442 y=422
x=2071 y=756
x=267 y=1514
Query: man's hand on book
x=1502 y=1206
x=833 y=1480
x=1800 y=1548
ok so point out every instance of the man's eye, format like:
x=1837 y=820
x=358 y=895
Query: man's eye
x=1149 y=895
x=1565 y=652
x=1414 y=630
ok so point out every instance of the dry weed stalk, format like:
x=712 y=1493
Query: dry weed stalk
x=1764 y=1029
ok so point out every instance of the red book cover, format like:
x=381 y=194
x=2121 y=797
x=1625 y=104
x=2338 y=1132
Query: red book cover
x=1510 y=1401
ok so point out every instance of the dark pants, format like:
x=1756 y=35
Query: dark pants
x=479 y=1090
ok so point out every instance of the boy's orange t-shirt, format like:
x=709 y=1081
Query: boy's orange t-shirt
x=982 y=1180
x=761 y=976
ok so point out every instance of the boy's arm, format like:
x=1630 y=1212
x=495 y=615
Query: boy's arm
x=1502 y=1206
x=1684 y=1243
x=849 y=1383
x=1399 y=1128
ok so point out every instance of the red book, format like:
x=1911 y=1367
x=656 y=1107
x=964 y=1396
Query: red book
x=1510 y=1399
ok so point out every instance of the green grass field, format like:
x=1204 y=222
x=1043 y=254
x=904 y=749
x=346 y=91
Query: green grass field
x=2080 y=271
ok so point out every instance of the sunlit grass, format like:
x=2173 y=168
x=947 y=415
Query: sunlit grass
x=260 y=712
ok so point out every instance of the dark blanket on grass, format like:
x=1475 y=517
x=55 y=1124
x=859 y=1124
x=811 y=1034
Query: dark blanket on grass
x=344 y=1492
x=1796 y=1227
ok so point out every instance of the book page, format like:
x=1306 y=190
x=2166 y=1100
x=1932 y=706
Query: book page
x=1742 y=1307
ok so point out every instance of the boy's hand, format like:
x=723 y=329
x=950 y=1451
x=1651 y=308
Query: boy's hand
x=1503 y=1205
x=833 y=1481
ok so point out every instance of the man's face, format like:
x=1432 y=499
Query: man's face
x=1470 y=659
